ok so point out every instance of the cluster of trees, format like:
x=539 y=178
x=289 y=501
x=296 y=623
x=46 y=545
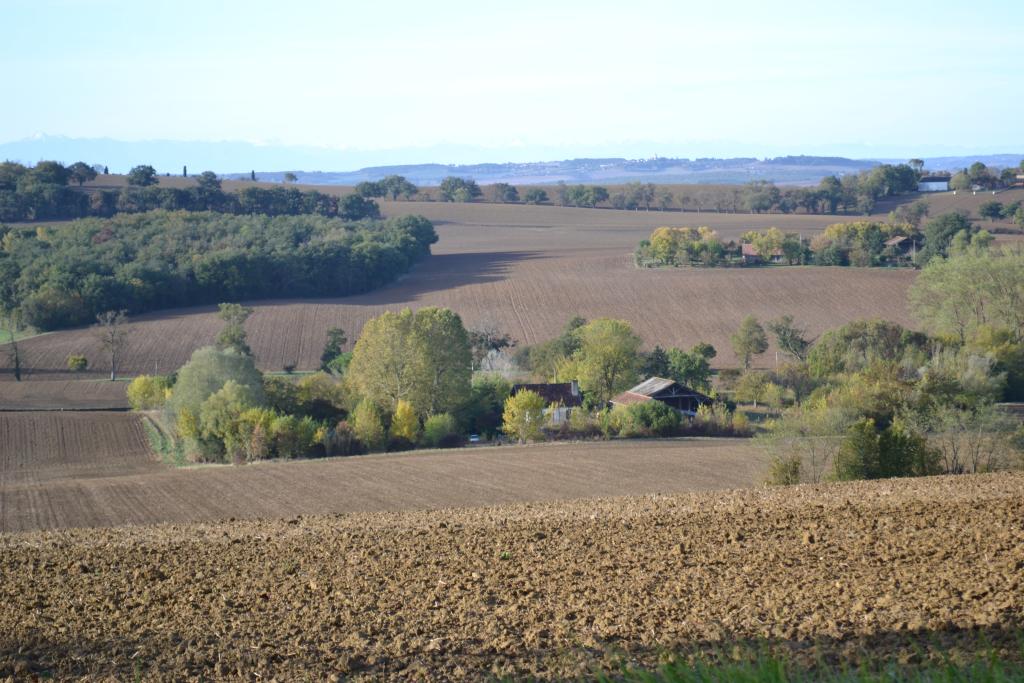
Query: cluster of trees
x=453 y=189
x=702 y=246
x=63 y=276
x=405 y=383
x=393 y=186
x=994 y=210
x=978 y=175
x=872 y=399
x=42 y=193
x=858 y=243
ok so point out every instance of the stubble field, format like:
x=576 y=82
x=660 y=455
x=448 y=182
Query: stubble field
x=904 y=570
x=528 y=269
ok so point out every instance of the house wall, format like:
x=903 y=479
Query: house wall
x=933 y=186
x=559 y=415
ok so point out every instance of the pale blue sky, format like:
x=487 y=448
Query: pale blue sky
x=801 y=76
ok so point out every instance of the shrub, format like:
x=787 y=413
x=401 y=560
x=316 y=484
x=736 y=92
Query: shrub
x=341 y=440
x=218 y=417
x=583 y=423
x=523 y=417
x=610 y=421
x=650 y=418
x=255 y=434
x=207 y=372
x=441 y=431
x=367 y=425
x=293 y=436
x=78 y=363
x=866 y=453
x=405 y=426
x=147 y=392
x=784 y=470
x=320 y=397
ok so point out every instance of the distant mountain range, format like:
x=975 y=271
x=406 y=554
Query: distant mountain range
x=271 y=162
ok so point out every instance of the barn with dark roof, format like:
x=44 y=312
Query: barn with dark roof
x=672 y=393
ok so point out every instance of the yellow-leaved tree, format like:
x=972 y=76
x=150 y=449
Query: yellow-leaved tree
x=523 y=417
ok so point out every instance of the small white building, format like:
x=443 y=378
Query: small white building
x=933 y=183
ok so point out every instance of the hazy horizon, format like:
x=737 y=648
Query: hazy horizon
x=537 y=84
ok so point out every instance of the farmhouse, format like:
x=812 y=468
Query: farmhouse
x=933 y=183
x=902 y=249
x=560 y=397
x=672 y=393
x=752 y=256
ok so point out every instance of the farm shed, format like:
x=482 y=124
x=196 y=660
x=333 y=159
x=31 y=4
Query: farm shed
x=752 y=256
x=560 y=397
x=672 y=393
x=902 y=249
x=933 y=183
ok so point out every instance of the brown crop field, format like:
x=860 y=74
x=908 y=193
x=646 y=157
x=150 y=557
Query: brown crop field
x=42 y=448
x=911 y=571
x=64 y=395
x=529 y=269
x=64 y=470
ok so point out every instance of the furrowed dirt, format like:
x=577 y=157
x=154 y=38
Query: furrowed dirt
x=90 y=482
x=64 y=395
x=908 y=569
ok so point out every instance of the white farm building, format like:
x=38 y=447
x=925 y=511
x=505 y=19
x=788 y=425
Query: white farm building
x=933 y=183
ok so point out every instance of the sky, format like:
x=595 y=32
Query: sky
x=805 y=77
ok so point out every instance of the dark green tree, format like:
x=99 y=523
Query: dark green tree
x=749 y=341
x=81 y=172
x=535 y=195
x=142 y=176
x=336 y=340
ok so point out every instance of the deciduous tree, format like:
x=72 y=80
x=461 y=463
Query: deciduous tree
x=113 y=337
x=523 y=417
x=749 y=341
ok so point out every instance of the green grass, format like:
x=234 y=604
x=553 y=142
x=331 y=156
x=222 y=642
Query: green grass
x=776 y=670
x=171 y=452
x=5 y=335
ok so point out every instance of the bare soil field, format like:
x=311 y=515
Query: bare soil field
x=63 y=395
x=529 y=269
x=907 y=570
x=42 y=448
x=46 y=487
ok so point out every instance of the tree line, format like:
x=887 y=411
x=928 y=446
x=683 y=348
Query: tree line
x=64 y=276
x=43 y=192
x=857 y=243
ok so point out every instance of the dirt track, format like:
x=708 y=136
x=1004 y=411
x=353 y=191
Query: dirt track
x=100 y=487
x=931 y=566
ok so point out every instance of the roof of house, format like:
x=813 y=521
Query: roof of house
x=750 y=250
x=628 y=398
x=560 y=392
x=900 y=239
x=650 y=388
x=934 y=179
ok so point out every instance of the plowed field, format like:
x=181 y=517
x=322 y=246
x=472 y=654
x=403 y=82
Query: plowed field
x=529 y=269
x=907 y=569
x=49 y=483
x=44 y=448
x=63 y=395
